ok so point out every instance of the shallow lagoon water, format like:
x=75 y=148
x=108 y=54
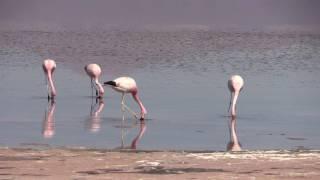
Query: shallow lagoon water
x=182 y=77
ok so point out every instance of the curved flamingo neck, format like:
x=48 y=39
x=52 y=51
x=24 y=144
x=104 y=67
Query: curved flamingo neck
x=51 y=84
x=137 y=99
x=234 y=102
x=100 y=88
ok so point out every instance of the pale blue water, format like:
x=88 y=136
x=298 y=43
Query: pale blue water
x=182 y=77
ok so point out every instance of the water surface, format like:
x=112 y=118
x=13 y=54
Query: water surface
x=182 y=77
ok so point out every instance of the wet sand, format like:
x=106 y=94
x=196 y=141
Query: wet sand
x=79 y=164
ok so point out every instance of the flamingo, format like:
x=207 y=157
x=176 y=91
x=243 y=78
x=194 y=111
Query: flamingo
x=235 y=84
x=49 y=66
x=94 y=72
x=128 y=85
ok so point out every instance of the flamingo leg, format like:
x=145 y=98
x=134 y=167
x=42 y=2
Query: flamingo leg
x=48 y=89
x=122 y=103
x=91 y=83
x=230 y=131
x=125 y=107
x=122 y=130
x=94 y=86
x=46 y=82
x=92 y=107
x=132 y=112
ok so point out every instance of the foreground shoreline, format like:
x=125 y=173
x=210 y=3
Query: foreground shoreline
x=76 y=163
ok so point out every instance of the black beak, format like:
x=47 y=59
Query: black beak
x=112 y=83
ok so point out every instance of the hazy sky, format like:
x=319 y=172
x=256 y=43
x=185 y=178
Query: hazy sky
x=79 y=13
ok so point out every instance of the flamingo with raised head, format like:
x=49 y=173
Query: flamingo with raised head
x=126 y=85
x=94 y=72
x=49 y=66
x=235 y=84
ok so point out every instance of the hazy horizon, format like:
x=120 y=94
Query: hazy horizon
x=38 y=14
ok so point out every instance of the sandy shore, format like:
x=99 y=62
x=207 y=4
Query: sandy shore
x=99 y=164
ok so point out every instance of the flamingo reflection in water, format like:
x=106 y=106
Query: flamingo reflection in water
x=142 y=130
x=48 y=122
x=124 y=130
x=233 y=144
x=94 y=119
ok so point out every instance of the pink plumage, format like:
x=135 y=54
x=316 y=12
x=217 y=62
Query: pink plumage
x=94 y=72
x=49 y=66
x=235 y=84
x=128 y=85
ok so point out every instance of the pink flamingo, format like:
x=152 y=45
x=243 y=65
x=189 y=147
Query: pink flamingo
x=49 y=66
x=128 y=85
x=235 y=84
x=94 y=72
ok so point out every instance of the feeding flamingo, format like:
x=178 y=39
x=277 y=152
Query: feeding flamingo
x=94 y=72
x=49 y=66
x=235 y=84
x=128 y=85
